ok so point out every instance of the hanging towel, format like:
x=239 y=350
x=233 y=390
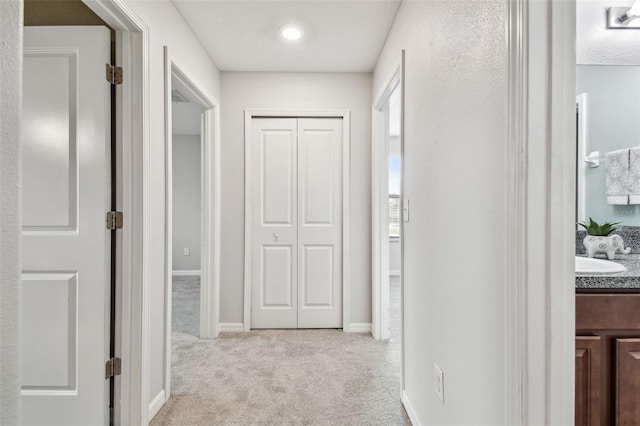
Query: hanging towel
x=634 y=175
x=618 y=177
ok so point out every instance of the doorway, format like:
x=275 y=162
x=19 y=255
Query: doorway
x=192 y=209
x=394 y=171
x=187 y=213
x=389 y=210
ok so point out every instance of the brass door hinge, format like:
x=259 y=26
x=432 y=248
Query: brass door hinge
x=115 y=220
x=113 y=368
x=114 y=74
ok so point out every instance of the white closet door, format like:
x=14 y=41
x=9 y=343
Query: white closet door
x=319 y=223
x=296 y=223
x=274 y=291
x=65 y=193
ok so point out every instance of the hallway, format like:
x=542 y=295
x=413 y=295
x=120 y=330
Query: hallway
x=317 y=377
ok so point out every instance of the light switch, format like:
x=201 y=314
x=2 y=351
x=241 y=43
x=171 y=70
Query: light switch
x=187 y=252
x=438 y=382
x=405 y=210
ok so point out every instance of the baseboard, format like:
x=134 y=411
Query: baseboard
x=185 y=273
x=409 y=409
x=359 y=327
x=216 y=331
x=156 y=404
x=394 y=273
x=231 y=327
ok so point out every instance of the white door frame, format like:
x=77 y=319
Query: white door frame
x=540 y=192
x=10 y=222
x=210 y=207
x=380 y=204
x=249 y=114
x=132 y=152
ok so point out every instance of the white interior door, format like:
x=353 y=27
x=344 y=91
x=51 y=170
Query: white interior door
x=274 y=292
x=65 y=244
x=319 y=223
x=296 y=223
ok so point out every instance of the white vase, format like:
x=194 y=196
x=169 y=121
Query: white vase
x=608 y=245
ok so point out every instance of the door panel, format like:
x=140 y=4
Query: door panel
x=317 y=273
x=316 y=177
x=274 y=291
x=277 y=282
x=49 y=339
x=320 y=218
x=65 y=244
x=627 y=382
x=50 y=110
x=277 y=176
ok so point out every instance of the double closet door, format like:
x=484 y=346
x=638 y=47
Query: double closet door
x=296 y=266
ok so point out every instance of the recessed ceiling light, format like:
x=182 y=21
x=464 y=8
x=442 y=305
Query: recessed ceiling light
x=291 y=32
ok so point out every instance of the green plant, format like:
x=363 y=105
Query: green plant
x=599 y=230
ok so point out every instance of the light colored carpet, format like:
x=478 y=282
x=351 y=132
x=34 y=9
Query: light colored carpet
x=185 y=305
x=394 y=309
x=284 y=377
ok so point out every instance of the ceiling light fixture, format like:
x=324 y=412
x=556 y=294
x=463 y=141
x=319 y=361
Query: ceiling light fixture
x=291 y=32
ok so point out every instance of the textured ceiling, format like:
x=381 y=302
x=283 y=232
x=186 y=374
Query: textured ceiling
x=242 y=35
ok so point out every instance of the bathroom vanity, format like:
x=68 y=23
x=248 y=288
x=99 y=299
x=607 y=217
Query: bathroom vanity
x=608 y=346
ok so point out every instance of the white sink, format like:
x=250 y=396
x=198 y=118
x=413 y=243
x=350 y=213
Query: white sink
x=587 y=265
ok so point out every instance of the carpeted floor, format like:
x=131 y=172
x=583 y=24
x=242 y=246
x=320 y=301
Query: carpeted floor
x=394 y=309
x=185 y=305
x=285 y=377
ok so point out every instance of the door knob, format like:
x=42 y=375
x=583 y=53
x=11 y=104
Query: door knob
x=275 y=236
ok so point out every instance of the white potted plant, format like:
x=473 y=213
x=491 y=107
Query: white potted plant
x=600 y=240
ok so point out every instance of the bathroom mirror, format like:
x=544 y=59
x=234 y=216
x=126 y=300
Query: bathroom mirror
x=607 y=119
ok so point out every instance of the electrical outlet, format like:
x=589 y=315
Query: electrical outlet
x=187 y=252
x=438 y=382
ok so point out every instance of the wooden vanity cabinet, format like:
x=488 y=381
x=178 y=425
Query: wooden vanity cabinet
x=607 y=359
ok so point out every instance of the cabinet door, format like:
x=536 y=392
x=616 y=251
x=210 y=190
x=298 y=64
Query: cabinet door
x=588 y=380
x=627 y=398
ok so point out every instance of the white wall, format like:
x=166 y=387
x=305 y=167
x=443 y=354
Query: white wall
x=186 y=202
x=455 y=141
x=242 y=91
x=10 y=107
x=186 y=118
x=597 y=45
x=166 y=28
